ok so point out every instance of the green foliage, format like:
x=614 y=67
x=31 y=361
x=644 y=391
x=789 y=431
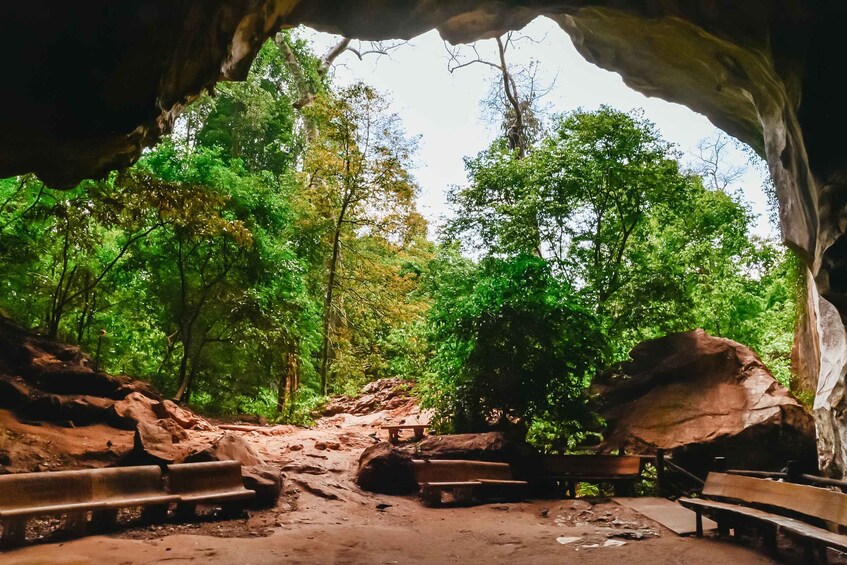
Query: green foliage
x=272 y=247
x=628 y=236
x=512 y=344
x=205 y=262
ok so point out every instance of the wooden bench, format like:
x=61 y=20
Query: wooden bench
x=74 y=494
x=215 y=482
x=466 y=480
x=769 y=507
x=394 y=431
x=620 y=470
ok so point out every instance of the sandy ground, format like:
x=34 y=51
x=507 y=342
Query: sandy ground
x=323 y=517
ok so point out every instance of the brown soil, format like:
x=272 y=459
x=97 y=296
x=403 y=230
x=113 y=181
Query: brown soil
x=323 y=517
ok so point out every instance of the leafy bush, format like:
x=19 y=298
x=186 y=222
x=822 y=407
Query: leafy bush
x=513 y=346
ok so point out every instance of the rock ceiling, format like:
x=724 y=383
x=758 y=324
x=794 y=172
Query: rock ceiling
x=89 y=84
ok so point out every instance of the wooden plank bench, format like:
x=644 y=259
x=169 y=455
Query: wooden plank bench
x=620 y=470
x=215 y=482
x=769 y=507
x=394 y=431
x=467 y=480
x=74 y=494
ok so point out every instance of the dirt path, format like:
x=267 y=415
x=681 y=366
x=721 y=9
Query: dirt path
x=323 y=517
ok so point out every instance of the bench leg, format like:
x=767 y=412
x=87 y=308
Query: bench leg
x=699 y=524
x=155 y=514
x=185 y=511
x=723 y=525
x=75 y=523
x=463 y=495
x=822 y=557
x=104 y=520
x=14 y=532
x=232 y=510
x=814 y=552
x=769 y=538
x=419 y=434
x=431 y=496
x=623 y=488
x=570 y=489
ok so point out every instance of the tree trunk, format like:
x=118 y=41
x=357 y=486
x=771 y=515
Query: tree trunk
x=333 y=268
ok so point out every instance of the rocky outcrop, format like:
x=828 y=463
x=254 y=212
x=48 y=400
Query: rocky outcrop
x=701 y=397
x=43 y=380
x=769 y=73
x=382 y=394
x=157 y=443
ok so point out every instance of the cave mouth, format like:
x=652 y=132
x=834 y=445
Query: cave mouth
x=761 y=73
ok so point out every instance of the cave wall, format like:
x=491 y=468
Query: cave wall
x=90 y=84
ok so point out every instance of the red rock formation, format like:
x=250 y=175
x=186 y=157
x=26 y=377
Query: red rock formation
x=702 y=397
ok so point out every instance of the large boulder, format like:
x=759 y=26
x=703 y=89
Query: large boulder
x=136 y=408
x=489 y=446
x=266 y=481
x=156 y=443
x=228 y=447
x=700 y=397
x=185 y=418
x=386 y=469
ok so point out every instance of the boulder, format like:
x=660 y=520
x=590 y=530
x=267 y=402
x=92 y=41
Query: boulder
x=133 y=410
x=155 y=444
x=489 y=446
x=266 y=481
x=386 y=469
x=186 y=419
x=700 y=397
x=229 y=447
x=382 y=394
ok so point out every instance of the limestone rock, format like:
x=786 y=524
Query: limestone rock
x=154 y=445
x=136 y=408
x=386 y=469
x=702 y=397
x=489 y=446
x=186 y=419
x=79 y=410
x=266 y=481
x=382 y=394
x=229 y=447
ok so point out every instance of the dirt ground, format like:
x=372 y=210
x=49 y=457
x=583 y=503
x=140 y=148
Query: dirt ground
x=323 y=517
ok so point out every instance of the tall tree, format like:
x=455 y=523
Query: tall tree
x=358 y=183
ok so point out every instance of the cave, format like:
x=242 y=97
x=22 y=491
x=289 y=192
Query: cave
x=91 y=85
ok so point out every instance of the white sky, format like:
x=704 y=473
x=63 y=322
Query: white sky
x=444 y=109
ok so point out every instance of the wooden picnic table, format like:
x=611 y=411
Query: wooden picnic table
x=394 y=431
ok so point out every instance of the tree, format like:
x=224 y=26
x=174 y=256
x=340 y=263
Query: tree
x=514 y=347
x=358 y=184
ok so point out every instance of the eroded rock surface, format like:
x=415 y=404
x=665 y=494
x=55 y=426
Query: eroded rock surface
x=702 y=397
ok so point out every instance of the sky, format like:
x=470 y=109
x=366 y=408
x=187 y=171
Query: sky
x=444 y=109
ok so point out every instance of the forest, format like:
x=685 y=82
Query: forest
x=270 y=253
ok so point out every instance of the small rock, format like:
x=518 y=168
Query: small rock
x=320 y=445
x=382 y=506
x=566 y=540
x=295 y=447
x=613 y=543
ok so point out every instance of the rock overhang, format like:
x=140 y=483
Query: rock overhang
x=90 y=85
